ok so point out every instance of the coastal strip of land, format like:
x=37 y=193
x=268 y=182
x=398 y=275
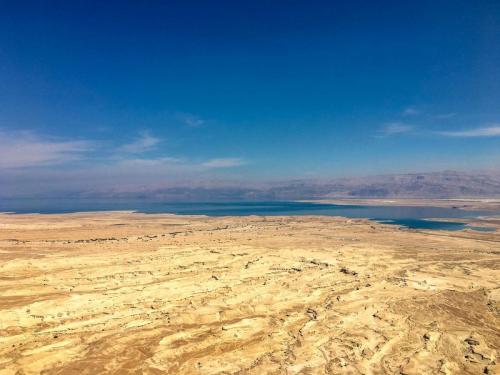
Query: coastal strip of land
x=486 y=204
x=130 y=293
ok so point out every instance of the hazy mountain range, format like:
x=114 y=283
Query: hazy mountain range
x=448 y=184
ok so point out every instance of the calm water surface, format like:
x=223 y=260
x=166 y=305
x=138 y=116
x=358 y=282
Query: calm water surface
x=410 y=217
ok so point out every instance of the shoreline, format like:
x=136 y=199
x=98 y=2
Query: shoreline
x=467 y=204
x=479 y=223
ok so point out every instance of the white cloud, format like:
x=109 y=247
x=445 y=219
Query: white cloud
x=154 y=162
x=395 y=128
x=31 y=164
x=411 y=111
x=487 y=131
x=144 y=143
x=124 y=174
x=190 y=120
x=223 y=163
x=19 y=149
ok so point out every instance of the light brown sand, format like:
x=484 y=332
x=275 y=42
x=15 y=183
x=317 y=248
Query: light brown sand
x=124 y=293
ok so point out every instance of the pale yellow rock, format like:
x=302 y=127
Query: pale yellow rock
x=128 y=293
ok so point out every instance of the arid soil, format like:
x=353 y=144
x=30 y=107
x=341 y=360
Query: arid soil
x=127 y=293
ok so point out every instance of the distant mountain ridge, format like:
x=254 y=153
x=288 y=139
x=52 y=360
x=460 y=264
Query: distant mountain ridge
x=448 y=184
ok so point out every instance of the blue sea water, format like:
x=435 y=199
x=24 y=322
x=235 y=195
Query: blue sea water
x=407 y=216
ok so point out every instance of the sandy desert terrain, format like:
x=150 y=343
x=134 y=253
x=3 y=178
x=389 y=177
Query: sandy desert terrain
x=128 y=293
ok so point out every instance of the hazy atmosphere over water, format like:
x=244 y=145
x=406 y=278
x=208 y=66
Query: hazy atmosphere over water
x=130 y=97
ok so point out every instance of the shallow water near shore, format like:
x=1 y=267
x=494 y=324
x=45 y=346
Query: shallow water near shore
x=406 y=216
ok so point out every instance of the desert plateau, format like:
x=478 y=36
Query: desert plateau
x=131 y=293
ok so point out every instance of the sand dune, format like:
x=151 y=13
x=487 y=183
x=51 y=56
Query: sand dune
x=125 y=293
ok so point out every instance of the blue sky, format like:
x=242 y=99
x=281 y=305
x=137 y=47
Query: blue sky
x=167 y=92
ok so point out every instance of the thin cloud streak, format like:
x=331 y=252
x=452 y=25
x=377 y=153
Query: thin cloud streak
x=144 y=143
x=394 y=128
x=487 y=131
x=25 y=149
x=411 y=111
x=223 y=163
x=21 y=149
x=190 y=120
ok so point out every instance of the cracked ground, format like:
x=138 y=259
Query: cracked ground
x=129 y=293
